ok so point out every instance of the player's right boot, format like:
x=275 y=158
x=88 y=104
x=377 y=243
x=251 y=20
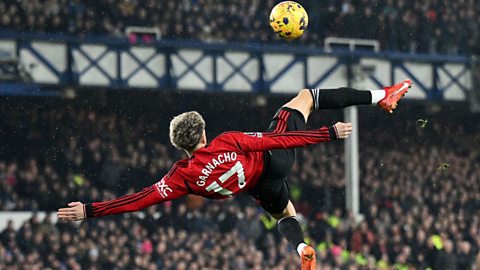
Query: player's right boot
x=309 y=262
x=393 y=94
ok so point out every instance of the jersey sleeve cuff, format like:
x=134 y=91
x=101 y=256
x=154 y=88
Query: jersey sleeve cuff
x=88 y=210
x=332 y=132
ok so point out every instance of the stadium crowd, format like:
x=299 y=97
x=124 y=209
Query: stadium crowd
x=406 y=25
x=420 y=198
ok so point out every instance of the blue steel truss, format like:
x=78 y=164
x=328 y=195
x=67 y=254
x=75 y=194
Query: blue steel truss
x=454 y=79
x=237 y=70
x=62 y=76
x=327 y=73
x=191 y=67
x=94 y=63
x=142 y=65
x=214 y=52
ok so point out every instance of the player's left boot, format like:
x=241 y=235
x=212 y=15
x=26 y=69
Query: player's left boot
x=309 y=262
x=393 y=94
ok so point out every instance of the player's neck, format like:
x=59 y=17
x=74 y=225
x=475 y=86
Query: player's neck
x=200 y=145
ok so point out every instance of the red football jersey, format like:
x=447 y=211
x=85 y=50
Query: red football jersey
x=230 y=164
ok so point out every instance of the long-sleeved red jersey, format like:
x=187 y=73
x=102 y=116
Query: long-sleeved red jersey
x=230 y=164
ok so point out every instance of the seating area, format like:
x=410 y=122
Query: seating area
x=447 y=27
x=412 y=217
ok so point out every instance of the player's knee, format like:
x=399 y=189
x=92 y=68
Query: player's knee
x=303 y=102
x=304 y=99
x=289 y=210
x=304 y=91
x=305 y=95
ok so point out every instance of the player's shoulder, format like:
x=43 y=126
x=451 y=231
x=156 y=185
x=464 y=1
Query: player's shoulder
x=231 y=133
x=224 y=141
x=223 y=136
x=183 y=163
x=227 y=137
x=238 y=134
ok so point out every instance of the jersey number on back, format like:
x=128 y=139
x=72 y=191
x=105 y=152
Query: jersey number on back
x=236 y=169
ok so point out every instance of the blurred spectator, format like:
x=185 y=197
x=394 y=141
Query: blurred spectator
x=408 y=25
x=419 y=197
x=125 y=243
x=446 y=259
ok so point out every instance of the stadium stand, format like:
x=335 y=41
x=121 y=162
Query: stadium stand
x=407 y=25
x=417 y=199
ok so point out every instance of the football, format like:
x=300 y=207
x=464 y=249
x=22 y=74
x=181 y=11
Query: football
x=289 y=19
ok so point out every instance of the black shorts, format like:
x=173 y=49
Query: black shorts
x=272 y=190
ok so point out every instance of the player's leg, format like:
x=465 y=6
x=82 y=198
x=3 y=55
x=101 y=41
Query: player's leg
x=274 y=197
x=309 y=100
x=303 y=103
x=272 y=192
x=290 y=228
x=386 y=98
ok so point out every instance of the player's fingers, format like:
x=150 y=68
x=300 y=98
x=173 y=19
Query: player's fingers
x=69 y=214
x=69 y=218
x=74 y=203
x=66 y=217
x=66 y=213
x=67 y=210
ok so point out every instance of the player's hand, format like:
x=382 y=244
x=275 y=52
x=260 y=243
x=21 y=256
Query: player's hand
x=343 y=129
x=74 y=212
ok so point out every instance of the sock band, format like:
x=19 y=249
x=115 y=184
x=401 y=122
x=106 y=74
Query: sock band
x=315 y=92
x=377 y=95
x=300 y=248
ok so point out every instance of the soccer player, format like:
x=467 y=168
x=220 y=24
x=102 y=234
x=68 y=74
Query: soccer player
x=257 y=163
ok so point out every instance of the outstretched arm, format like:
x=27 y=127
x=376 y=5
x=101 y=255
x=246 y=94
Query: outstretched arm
x=157 y=193
x=128 y=203
x=291 y=139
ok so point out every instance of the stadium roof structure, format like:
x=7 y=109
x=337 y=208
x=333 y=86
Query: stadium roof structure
x=58 y=60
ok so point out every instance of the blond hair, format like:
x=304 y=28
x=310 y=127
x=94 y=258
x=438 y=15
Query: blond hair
x=186 y=130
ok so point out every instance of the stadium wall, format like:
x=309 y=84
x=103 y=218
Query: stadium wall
x=19 y=217
x=66 y=61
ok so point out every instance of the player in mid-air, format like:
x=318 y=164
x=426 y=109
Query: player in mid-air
x=257 y=163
